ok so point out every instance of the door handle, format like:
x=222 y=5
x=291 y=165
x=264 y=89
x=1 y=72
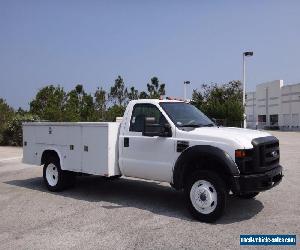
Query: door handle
x=126 y=142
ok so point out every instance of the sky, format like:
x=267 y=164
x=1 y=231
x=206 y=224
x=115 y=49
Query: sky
x=92 y=42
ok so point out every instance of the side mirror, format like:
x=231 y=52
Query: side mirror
x=154 y=129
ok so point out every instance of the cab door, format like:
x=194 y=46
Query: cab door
x=143 y=156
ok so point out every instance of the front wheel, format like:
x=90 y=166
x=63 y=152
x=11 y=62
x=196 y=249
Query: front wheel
x=206 y=195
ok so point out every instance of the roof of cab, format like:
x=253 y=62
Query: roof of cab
x=154 y=101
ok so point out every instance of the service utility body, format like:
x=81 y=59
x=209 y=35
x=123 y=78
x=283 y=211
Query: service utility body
x=162 y=140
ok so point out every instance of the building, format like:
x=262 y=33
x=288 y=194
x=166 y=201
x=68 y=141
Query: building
x=274 y=105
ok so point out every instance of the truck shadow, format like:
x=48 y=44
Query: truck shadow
x=145 y=195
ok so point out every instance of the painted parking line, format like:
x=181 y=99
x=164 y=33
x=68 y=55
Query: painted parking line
x=11 y=158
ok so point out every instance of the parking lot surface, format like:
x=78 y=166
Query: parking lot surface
x=135 y=214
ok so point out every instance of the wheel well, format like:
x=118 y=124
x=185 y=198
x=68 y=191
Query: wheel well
x=208 y=163
x=49 y=154
x=200 y=161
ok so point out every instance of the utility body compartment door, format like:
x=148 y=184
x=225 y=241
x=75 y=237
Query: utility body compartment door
x=95 y=150
x=100 y=149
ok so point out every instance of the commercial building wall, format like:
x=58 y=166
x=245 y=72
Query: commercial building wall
x=274 y=105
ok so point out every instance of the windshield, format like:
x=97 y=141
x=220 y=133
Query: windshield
x=185 y=115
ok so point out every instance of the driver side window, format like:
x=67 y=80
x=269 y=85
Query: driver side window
x=140 y=111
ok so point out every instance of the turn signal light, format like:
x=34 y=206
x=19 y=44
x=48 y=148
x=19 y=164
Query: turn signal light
x=240 y=153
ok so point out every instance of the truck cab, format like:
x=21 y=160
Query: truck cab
x=172 y=141
x=168 y=141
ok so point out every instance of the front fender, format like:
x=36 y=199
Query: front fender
x=195 y=152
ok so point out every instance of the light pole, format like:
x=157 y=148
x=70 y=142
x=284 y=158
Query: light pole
x=184 y=88
x=245 y=54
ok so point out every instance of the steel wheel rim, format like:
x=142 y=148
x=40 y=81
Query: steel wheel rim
x=52 y=174
x=204 y=197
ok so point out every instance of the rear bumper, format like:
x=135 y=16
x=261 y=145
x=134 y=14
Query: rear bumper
x=257 y=182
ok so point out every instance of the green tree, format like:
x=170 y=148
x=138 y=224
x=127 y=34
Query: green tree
x=133 y=94
x=72 y=109
x=155 y=89
x=49 y=103
x=118 y=94
x=6 y=114
x=79 y=105
x=13 y=134
x=87 y=111
x=143 y=95
x=21 y=111
x=100 y=103
x=114 y=111
x=221 y=102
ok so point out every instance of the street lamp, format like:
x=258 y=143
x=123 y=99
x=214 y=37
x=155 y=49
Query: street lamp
x=245 y=54
x=184 y=88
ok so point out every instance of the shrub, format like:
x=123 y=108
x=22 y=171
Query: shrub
x=13 y=135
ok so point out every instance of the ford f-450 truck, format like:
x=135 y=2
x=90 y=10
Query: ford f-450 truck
x=162 y=140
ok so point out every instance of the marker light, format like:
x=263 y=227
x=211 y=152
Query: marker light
x=240 y=153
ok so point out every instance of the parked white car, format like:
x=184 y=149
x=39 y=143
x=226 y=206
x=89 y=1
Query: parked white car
x=162 y=140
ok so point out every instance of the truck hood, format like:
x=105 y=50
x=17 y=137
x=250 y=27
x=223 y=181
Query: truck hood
x=237 y=137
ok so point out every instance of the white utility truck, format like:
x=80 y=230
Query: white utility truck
x=162 y=140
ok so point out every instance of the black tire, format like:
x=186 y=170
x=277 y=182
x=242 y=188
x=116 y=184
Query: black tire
x=60 y=179
x=213 y=186
x=248 y=196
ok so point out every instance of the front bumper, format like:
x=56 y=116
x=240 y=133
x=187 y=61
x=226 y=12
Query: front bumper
x=257 y=182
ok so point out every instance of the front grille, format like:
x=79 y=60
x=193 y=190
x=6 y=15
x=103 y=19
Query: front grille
x=263 y=157
x=265 y=153
x=269 y=154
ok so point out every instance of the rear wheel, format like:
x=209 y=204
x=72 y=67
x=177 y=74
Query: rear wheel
x=54 y=177
x=248 y=196
x=206 y=195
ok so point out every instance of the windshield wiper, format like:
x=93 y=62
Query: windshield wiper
x=191 y=125
x=198 y=125
x=208 y=125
